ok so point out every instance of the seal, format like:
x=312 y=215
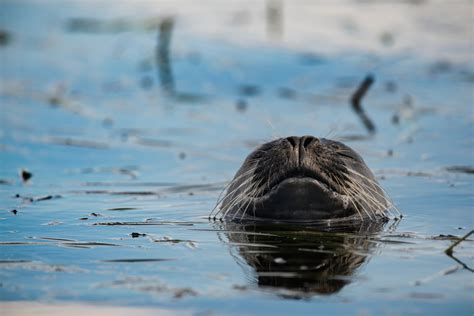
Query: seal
x=304 y=179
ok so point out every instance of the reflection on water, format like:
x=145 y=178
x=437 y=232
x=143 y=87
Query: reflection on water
x=301 y=262
x=163 y=56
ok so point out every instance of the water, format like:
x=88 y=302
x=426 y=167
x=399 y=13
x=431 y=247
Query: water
x=126 y=167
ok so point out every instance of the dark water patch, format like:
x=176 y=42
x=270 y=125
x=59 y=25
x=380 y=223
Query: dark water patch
x=13 y=261
x=241 y=105
x=311 y=59
x=39 y=266
x=130 y=171
x=52 y=223
x=116 y=25
x=106 y=192
x=167 y=239
x=52 y=239
x=426 y=296
x=138 y=260
x=460 y=169
x=6 y=182
x=88 y=244
x=151 y=285
x=249 y=90
x=172 y=131
x=160 y=143
x=405 y=173
x=21 y=243
x=122 y=209
x=466 y=75
x=81 y=143
x=208 y=187
x=129 y=184
x=188 y=97
x=354 y=138
x=232 y=231
x=146 y=223
x=440 y=67
x=39 y=198
x=146 y=82
x=5 y=37
x=287 y=93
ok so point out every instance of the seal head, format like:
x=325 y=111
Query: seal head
x=304 y=179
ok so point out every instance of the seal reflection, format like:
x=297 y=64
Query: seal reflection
x=300 y=262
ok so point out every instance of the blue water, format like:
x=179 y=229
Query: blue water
x=105 y=148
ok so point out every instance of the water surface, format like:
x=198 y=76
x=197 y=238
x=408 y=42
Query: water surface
x=131 y=135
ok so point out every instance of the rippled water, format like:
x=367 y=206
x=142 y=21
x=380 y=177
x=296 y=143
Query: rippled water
x=129 y=147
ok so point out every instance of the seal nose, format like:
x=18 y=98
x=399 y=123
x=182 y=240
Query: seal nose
x=300 y=146
x=294 y=142
x=305 y=141
x=304 y=152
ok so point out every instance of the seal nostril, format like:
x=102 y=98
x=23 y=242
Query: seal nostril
x=292 y=140
x=307 y=140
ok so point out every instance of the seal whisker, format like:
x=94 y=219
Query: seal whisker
x=237 y=199
x=249 y=200
x=384 y=195
x=220 y=199
x=375 y=206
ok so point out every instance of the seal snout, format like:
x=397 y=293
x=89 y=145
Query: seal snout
x=300 y=147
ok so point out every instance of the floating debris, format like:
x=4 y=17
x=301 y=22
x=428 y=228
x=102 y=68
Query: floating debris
x=356 y=105
x=25 y=175
x=136 y=235
x=38 y=199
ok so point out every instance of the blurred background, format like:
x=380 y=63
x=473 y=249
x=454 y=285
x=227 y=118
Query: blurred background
x=121 y=118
